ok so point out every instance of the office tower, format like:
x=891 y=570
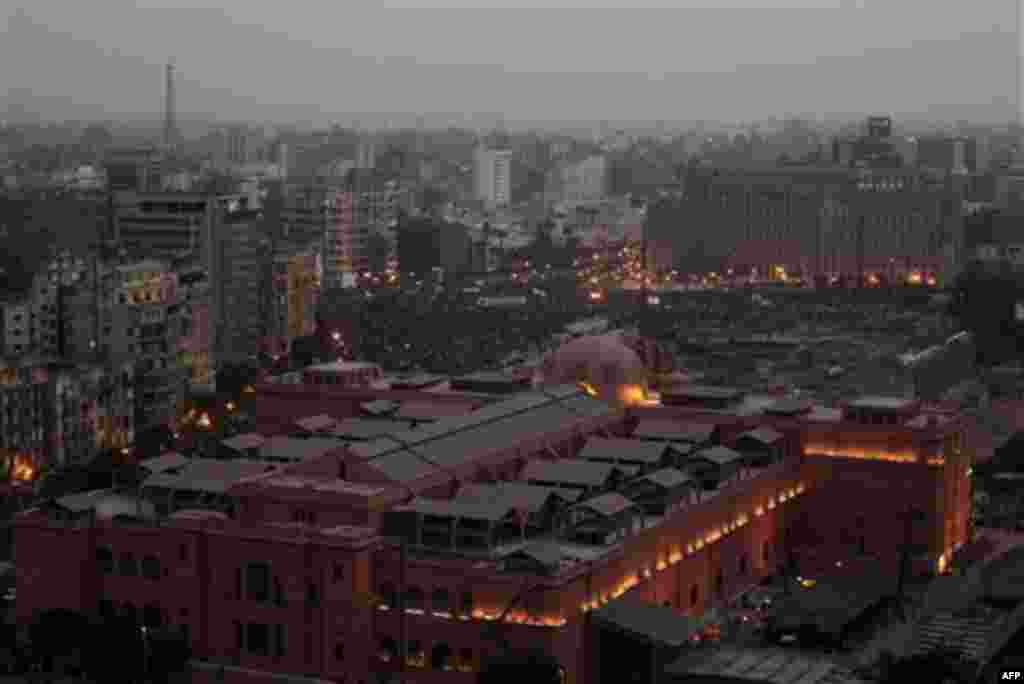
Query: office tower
x=493 y=176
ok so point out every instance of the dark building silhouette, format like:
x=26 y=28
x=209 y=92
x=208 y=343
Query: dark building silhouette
x=425 y=244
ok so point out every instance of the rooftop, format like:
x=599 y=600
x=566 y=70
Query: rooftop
x=341 y=367
x=774 y=666
x=208 y=475
x=294 y=450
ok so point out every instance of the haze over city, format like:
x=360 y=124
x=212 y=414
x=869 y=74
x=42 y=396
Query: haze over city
x=371 y=344
x=322 y=62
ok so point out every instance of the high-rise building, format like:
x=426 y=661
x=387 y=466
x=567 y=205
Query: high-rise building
x=243 y=274
x=17 y=321
x=947 y=153
x=493 y=176
x=168 y=224
x=291 y=311
x=333 y=219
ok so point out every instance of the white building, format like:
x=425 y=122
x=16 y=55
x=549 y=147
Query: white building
x=493 y=176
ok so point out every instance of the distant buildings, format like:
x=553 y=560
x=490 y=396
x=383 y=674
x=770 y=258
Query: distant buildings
x=493 y=176
x=959 y=155
x=814 y=221
x=587 y=180
x=294 y=292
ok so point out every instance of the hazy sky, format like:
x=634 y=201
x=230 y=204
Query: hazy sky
x=313 y=60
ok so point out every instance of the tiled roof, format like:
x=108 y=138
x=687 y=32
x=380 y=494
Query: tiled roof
x=770 y=666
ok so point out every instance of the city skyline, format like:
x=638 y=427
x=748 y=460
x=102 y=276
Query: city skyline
x=669 y=64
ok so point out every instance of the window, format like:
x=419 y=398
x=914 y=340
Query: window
x=150 y=568
x=339 y=572
x=127 y=566
x=416 y=657
x=388 y=594
x=106 y=609
x=441 y=601
x=280 y=640
x=257 y=639
x=694 y=596
x=339 y=652
x=465 y=661
x=257 y=582
x=312 y=596
x=719 y=583
x=766 y=552
x=414 y=599
x=387 y=649
x=105 y=560
x=441 y=657
x=743 y=565
x=182 y=552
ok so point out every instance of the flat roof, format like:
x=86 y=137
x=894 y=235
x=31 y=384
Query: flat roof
x=648 y=621
x=629 y=450
x=248 y=440
x=568 y=471
x=718 y=455
x=880 y=403
x=208 y=474
x=608 y=504
x=341 y=366
x=316 y=423
x=293 y=449
x=319 y=483
x=774 y=666
x=359 y=429
x=169 y=460
x=673 y=431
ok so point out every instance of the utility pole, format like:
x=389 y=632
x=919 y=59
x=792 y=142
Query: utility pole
x=403 y=636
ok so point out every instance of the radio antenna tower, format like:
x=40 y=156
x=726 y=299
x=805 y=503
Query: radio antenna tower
x=170 y=124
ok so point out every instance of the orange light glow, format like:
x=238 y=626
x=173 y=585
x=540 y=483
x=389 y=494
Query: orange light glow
x=931 y=281
x=249 y=389
x=596 y=296
x=230 y=406
x=863 y=454
x=23 y=469
x=631 y=395
x=588 y=388
x=914 y=278
x=759 y=511
x=204 y=421
x=872 y=279
x=675 y=557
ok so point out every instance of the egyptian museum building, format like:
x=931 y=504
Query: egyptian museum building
x=521 y=515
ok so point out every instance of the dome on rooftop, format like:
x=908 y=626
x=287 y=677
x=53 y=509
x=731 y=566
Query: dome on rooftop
x=603 y=362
